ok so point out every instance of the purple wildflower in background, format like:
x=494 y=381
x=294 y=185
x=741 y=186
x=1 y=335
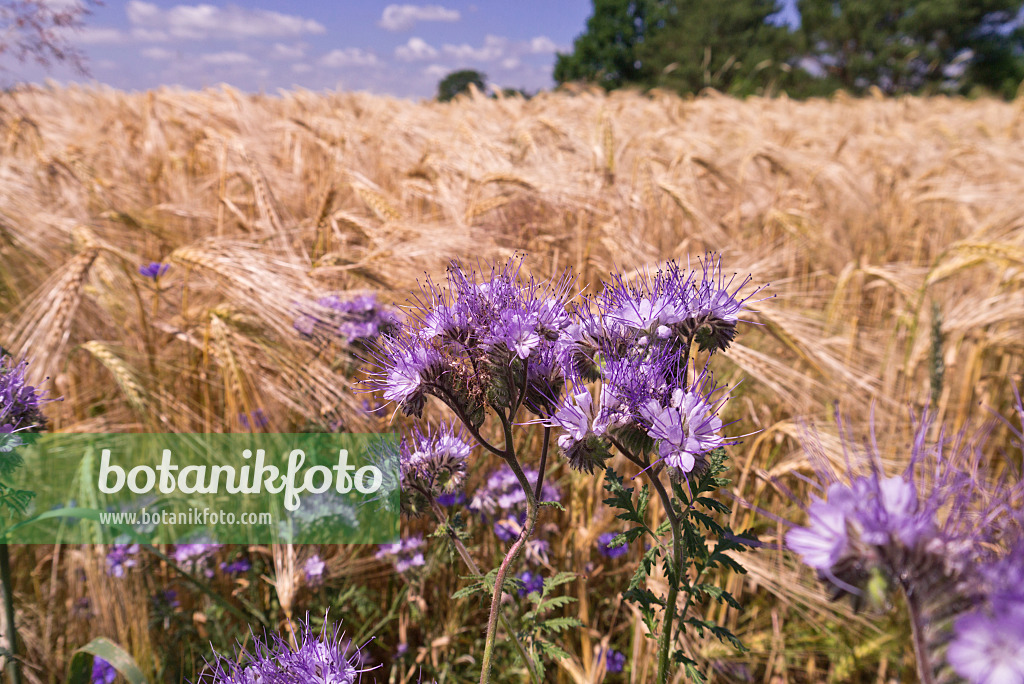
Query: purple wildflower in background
x=404 y=554
x=195 y=557
x=945 y=532
x=603 y=545
x=615 y=661
x=102 y=671
x=153 y=269
x=321 y=658
x=531 y=582
x=502 y=493
x=314 y=569
x=452 y=499
x=236 y=567
x=167 y=599
x=259 y=419
x=120 y=557
x=357 y=320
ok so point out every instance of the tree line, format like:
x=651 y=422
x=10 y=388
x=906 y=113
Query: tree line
x=747 y=47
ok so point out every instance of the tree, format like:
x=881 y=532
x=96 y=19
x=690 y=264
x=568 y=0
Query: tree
x=40 y=30
x=904 y=46
x=726 y=45
x=606 y=52
x=458 y=82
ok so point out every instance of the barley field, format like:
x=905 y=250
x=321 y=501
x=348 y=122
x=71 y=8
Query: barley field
x=891 y=232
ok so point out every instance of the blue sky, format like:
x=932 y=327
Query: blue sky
x=394 y=48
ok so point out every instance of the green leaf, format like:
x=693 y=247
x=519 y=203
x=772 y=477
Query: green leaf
x=560 y=623
x=80 y=669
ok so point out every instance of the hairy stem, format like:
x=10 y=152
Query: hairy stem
x=925 y=674
x=463 y=552
x=665 y=643
x=543 y=463
x=7 y=585
x=499 y=582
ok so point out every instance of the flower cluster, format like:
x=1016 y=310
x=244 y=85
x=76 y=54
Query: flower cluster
x=502 y=502
x=320 y=658
x=604 y=545
x=935 y=532
x=474 y=343
x=102 y=672
x=121 y=557
x=637 y=339
x=433 y=462
x=357 y=320
x=405 y=554
x=20 y=403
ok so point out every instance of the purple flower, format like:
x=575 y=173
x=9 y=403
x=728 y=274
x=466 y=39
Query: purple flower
x=153 y=269
x=236 y=567
x=452 y=499
x=604 y=545
x=20 y=403
x=259 y=419
x=532 y=582
x=194 y=557
x=321 y=658
x=989 y=649
x=120 y=557
x=102 y=671
x=314 y=570
x=615 y=661
x=406 y=379
x=405 y=554
x=434 y=461
x=686 y=428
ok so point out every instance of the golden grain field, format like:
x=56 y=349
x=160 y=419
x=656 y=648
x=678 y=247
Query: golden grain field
x=891 y=231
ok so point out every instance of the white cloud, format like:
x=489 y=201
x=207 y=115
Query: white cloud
x=416 y=49
x=227 y=58
x=510 y=63
x=96 y=35
x=542 y=45
x=207 y=21
x=436 y=71
x=158 y=53
x=301 y=68
x=282 y=51
x=402 y=17
x=351 y=56
x=150 y=35
x=492 y=49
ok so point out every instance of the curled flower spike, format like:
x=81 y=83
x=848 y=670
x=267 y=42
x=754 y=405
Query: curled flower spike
x=434 y=461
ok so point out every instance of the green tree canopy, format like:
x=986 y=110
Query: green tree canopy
x=606 y=52
x=458 y=82
x=727 y=45
x=900 y=46
x=904 y=46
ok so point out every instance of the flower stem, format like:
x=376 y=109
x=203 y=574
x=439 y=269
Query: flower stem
x=665 y=643
x=7 y=585
x=463 y=552
x=499 y=581
x=925 y=674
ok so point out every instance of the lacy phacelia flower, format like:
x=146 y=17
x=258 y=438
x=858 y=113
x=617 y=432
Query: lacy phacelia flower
x=939 y=532
x=357 y=320
x=604 y=546
x=405 y=554
x=321 y=658
x=531 y=582
x=120 y=558
x=313 y=569
x=20 y=403
x=686 y=428
x=472 y=344
x=434 y=461
x=614 y=661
